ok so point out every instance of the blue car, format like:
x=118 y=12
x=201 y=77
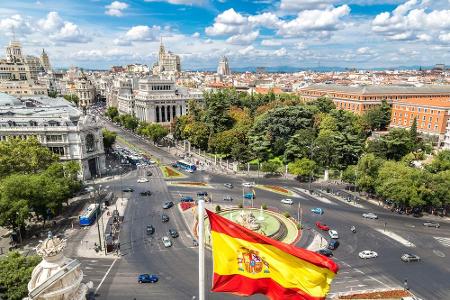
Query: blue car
x=147 y=278
x=317 y=210
x=187 y=199
x=249 y=196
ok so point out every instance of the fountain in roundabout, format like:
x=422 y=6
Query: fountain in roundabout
x=268 y=223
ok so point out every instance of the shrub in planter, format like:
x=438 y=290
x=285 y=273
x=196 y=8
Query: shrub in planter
x=218 y=209
x=240 y=206
x=287 y=215
x=264 y=206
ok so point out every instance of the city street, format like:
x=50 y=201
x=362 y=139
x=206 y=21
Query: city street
x=177 y=266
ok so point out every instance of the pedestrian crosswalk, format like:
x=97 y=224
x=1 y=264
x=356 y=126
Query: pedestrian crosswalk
x=444 y=241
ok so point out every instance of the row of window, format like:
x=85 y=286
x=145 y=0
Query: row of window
x=419 y=125
x=430 y=119
x=419 y=109
x=345 y=105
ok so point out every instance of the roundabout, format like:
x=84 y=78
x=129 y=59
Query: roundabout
x=265 y=222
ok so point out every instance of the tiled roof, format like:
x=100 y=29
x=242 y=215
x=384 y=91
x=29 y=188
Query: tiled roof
x=380 y=89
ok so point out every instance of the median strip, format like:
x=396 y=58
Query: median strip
x=396 y=237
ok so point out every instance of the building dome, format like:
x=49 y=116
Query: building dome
x=56 y=277
x=7 y=100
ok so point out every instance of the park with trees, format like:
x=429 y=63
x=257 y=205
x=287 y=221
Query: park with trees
x=272 y=131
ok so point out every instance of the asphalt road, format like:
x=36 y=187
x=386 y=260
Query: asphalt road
x=177 y=266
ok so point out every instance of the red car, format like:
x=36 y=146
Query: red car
x=322 y=226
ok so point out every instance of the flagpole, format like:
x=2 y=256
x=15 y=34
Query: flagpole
x=201 y=250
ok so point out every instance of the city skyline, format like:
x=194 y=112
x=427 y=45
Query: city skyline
x=307 y=34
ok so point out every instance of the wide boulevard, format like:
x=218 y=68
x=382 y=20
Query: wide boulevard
x=177 y=267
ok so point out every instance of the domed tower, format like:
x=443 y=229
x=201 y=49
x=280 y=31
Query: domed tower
x=56 y=277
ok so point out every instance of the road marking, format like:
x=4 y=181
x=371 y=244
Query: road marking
x=444 y=241
x=439 y=253
x=104 y=277
x=396 y=237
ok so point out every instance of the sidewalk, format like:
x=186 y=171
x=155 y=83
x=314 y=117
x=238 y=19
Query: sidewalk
x=87 y=245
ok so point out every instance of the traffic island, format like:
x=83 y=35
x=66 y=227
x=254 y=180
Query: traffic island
x=192 y=184
x=171 y=173
x=277 y=189
x=384 y=294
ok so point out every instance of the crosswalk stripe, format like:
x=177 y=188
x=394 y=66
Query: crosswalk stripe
x=444 y=241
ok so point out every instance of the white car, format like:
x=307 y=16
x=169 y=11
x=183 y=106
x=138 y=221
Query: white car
x=166 y=241
x=370 y=216
x=367 y=254
x=248 y=184
x=142 y=180
x=287 y=201
x=333 y=234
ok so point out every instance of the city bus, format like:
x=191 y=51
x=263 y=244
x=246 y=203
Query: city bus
x=188 y=167
x=89 y=214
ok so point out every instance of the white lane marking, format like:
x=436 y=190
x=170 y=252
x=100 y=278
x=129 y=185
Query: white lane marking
x=396 y=237
x=104 y=277
x=444 y=241
x=318 y=198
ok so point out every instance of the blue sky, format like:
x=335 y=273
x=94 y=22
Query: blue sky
x=300 y=33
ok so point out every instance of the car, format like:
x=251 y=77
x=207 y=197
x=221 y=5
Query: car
x=228 y=185
x=227 y=198
x=333 y=244
x=164 y=218
x=325 y=251
x=202 y=194
x=173 y=233
x=166 y=241
x=146 y=193
x=409 y=257
x=128 y=190
x=333 y=234
x=187 y=199
x=287 y=201
x=322 y=226
x=366 y=254
x=147 y=278
x=370 y=216
x=142 y=180
x=317 y=210
x=152 y=162
x=168 y=205
x=149 y=173
x=248 y=184
x=431 y=224
x=174 y=165
x=150 y=229
x=249 y=196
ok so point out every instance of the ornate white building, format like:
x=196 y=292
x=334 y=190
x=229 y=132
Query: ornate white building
x=160 y=100
x=18 y=73
x=223 y=68
x=58 y=125
x=56 y=277
x=168 y=63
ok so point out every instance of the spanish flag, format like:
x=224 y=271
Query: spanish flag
x=247 y=263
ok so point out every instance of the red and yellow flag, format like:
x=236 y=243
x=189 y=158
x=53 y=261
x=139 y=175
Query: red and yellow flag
x=247 y=263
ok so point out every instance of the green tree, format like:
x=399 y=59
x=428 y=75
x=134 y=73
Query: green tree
x=300 y=145
x=441 y=162
x=303 y=168
x=349 y=174
x=24 y=156
x=396 y=144
x=413 y=132
x=367 y=172
x=109 y=138
x=112 y=112
x=52 y=94
x=197 y=133
x=15 y=272
x=400 y=183
x=324 y=104
x=386 y=114
x=156 y=132
x=129 y=121
x=271 y=166
x=72 y=98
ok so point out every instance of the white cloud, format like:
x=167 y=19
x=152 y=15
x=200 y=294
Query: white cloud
x=315 y=20
x=246 y=50
x=116 y=8
x=292 y=7
x=181 y=2
x=271 y=43
x=445 y=37
x=59 y=30
x=280 y=52
x=243 y=39
x=195 y=35
x=142 y=33
x=412 y=20
x=229 y=22
x=268 y=20
x=17 y=24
